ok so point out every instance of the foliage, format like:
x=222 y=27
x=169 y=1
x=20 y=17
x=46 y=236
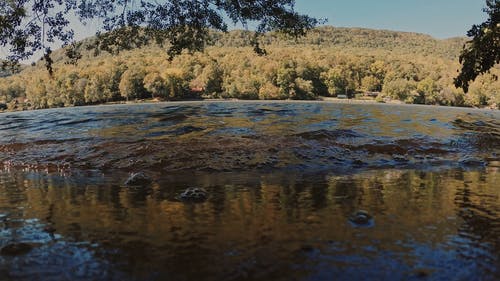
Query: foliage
x=400 y=89
x=482 y=52
x=230 y=69
x=155 y=84
x=339 y=81
x=28 y=26
x=371 y=84
x=132 y=83
x=428 y=91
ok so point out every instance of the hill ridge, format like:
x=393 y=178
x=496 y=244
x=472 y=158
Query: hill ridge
x=329 y=61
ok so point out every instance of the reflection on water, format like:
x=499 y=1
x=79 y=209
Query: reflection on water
x=296 y=191
x=254 y=227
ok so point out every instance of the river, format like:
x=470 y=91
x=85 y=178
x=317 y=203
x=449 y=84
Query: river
x=285 y=182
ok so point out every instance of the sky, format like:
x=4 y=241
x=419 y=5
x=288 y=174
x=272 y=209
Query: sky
x=439 y=18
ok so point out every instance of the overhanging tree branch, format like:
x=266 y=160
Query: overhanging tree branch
x=482 y=52
x=184 y=24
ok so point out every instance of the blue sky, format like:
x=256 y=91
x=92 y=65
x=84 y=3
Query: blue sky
x=439 y=18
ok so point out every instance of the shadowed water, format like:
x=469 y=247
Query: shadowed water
x=283 y=183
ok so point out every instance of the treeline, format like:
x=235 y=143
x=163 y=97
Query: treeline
x=353 y=38
x=409 y=67
x=7 y=69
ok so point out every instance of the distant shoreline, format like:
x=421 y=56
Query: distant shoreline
x=319 y=100
x=359 y=63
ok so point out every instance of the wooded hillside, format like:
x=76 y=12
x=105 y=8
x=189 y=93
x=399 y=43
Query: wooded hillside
x=410 y=67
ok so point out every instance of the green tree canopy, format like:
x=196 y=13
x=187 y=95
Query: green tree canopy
x=482 y=52
x=28 y=26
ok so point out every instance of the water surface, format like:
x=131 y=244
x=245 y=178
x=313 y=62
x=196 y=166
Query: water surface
x=283 y=181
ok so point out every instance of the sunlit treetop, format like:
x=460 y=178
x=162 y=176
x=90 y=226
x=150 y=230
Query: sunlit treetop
x=482 y=52
x=28 y=26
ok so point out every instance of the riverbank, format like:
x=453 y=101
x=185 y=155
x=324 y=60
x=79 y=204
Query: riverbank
x=5 y=109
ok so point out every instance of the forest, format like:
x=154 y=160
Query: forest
x=328 y=62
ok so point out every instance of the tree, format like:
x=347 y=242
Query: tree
x=339 y=82
x=132 y=84
x=303 y=90
x=286 y=76
x=482 y=52
x=242 y=85
x=28 y=26
x=155 y=84
x=268 y=91
x=428 y=92
x=400 y=89
x=36 y=92
x=371 y=84
x=11 y=90
x=208 y=78
x=175 y=82
x=98 y=87
x=287 y=72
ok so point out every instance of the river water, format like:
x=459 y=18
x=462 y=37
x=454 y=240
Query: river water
x=284 y=182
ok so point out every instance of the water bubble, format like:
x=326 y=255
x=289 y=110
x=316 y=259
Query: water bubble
x=194 y=194
x=361 y=218
x=138 y=179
